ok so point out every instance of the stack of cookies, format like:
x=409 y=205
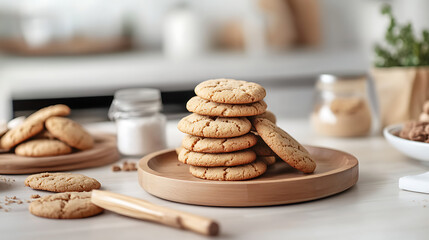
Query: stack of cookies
x=219 y=144
x=47 y=133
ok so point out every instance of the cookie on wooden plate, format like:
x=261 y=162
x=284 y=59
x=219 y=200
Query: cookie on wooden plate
x=68 y=205
x=44 y=134
x=285 y=146
x=61 y=182
x=230 y=91
x=47 y=112
x=209 y=108
x=42 y=148
x=216 y=159
x=237 y=173
x=268 y=115
x=32 y=125
x=262 y=149
x=269 y=160
x=214 y=127
x=70 y=132
x=218 y=145
x=20 y=133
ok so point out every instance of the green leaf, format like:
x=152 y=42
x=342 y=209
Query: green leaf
x=403 y=48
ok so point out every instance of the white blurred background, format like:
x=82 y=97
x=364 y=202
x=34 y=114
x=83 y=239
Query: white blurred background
x=80 y=52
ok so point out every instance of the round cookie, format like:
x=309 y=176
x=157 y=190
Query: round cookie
x=214 y=127
x=268 y=115
x=243 y=172
x=61 y=182
x=44 y=134
x=47 y=112
x=68 y=205
x=216 y=159
x=218 y=145
x=42 y=148
x=269 y=160
x=70 y=132
x=21 y=133
x=285 y=146
x=262 y=149
x=209 y=108
x=230 y=91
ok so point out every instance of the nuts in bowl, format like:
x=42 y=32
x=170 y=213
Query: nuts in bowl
x=411 y=138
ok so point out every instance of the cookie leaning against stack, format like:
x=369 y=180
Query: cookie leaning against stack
x=218 y=144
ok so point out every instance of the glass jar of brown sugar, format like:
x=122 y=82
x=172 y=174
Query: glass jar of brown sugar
x=341 y=107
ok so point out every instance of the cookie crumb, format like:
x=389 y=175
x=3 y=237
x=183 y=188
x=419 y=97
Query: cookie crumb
x=129 y=166
x=34 y=196
x=126 y=166
x=7 y=180
x=116 y=168
x=14 y=197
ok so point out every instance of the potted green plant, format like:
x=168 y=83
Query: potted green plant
x=401 y=72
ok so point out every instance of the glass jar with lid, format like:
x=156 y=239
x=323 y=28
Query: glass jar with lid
x=140 y=124
x=341 y=107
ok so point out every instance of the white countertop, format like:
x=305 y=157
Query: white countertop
x=375 y=208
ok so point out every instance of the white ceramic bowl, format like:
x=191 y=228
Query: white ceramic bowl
x=413 y=149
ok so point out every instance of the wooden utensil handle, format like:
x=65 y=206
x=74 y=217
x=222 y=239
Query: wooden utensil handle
x=137 y=208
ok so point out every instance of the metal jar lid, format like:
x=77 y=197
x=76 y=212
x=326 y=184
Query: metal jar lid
x=135 y=102
x=329 y=82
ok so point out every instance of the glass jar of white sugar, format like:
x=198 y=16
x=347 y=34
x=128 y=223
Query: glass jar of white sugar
x=140 y=124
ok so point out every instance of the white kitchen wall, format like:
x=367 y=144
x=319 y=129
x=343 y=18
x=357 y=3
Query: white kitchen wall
x=349 y=30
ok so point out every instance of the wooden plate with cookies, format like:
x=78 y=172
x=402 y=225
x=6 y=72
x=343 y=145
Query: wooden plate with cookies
x=104 y=152
x=229 y=155
x=162 y=175
x=48 y=141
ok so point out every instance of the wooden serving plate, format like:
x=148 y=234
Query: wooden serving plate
x=162 y=175
x=104 y=152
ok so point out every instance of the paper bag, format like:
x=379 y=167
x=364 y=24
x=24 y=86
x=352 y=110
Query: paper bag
x=401 y=92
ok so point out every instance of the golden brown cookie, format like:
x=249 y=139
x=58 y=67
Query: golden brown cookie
x=230 y=91
x=285 y=146
x=216 y=159
x=262 y=149
x=21 y=133
x=209 y=108
x=214 y=127
x=61 y=182
x=269 y=160
x=44 y=134
x=70 y=132
x=218 y=145
x=47 y=112
x=68 y=205
x=268 y=115
x=237 y=173
x=42 y=148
